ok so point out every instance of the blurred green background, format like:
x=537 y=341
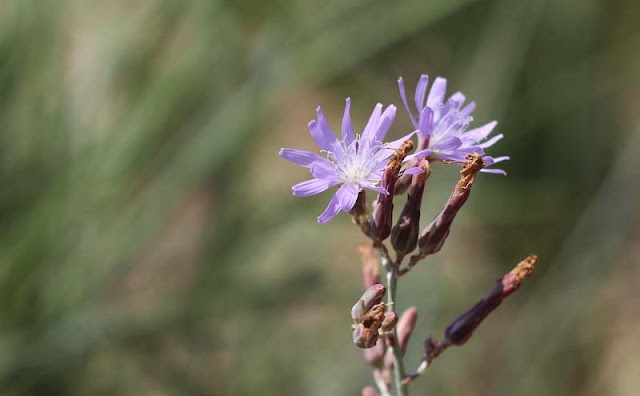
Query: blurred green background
x=150 y=244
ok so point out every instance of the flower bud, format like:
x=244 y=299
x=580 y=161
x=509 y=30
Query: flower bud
x=375 y=356
x=405 y=327
x=435 y=234
x=389 y=321
x=404 y=235
x=382 y=217
x=371 y=297
x=369 y=391
x=359 y=210
x=461 y=329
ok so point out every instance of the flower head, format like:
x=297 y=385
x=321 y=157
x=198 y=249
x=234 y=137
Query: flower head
x=355 y=162
x=442 y=125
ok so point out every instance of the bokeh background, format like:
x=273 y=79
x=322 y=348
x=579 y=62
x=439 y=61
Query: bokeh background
x=150 y=245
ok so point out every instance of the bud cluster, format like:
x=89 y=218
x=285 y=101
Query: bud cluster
x=370 y=317
x=383 y=336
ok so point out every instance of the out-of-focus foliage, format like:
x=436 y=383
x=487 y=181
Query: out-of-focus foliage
x=150 y=244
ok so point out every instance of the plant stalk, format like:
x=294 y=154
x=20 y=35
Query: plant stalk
x=402 y=388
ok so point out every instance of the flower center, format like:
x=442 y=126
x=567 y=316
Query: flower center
x=451 y=124
x=358 y=162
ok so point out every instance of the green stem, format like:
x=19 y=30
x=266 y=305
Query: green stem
x=402 y=389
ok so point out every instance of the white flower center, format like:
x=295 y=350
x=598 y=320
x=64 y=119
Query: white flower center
x=358 y=162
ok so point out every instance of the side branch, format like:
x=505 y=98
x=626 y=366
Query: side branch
x=461 y=329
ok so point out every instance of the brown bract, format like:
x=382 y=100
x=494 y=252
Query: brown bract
x=469 y=170
x=368 y=325
x=399 y=155
x=511 y=281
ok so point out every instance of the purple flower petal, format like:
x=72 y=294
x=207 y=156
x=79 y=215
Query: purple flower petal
x=448 y=144
x=312 y=187
x=438 y=90
x=413 y=171
x=494 y=171
x=304 y=158
x=420 y=154
x=426 y=122
x=323 y=138
x=458 y=98
x=500 y=159
x=331 y=211
x=322 y=171
x=491 y=141
x=347 y=195
x=468 y=109
x=406 y=104
x=373 y=187
x=421 y=90
x=372 y=126
x=477 y=134
x=347 y=130
x=385 y=123
x=394 y=145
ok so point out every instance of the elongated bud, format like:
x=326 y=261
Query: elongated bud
x=389 y=321
x=405 y=327
x=375 y=356
x=435 y=234
x=461 y=329
x=382 y=217
x=404 y=235
x=369 y=391
x=371 y=297
x=359 y=210
x=370 y=265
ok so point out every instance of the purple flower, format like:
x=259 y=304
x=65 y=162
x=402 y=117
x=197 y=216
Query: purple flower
x=355 y=162
x=442 y=125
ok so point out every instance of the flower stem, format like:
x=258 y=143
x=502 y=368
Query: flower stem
x=398 y=365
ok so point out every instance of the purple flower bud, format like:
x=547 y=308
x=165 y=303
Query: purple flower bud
x=375 y=356
x=370 y=261
x=381 y=219
x=404 y=235
x=435 y=234
x=461 y=329
x=359 y=210
x=371 y=297
x=369 y=391
x=389 y=321
x=405 y=327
